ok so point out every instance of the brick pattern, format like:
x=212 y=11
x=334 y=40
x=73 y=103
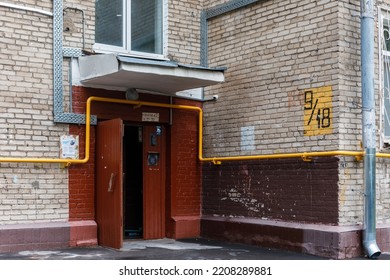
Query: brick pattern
x=383 y=191
x=326 y=241
x=382 y=165
x=73 y=27
x=350 y=79
x=286 y=189
x=351 y=192
x=185 y=169
x=82 y=180
x=273 y=51
x=184 y=31
x=36 y=236
x=29 y=192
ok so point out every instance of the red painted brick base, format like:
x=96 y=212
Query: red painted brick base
x=186 y=227
x=83 y=233
x=44 y=236
x=336 y=242
x=34 y=236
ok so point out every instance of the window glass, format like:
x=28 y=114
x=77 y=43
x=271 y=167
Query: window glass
x=109 y=22
x=146 y=26
x=386 y=35
x=386 y=96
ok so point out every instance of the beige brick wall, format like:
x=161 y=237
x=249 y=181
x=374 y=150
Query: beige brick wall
x=73 y=24
x=351 y=189
x=184 y=31
x=383 y=165
x=274 y=51
x=351 y=193
x=213 y=3
x=29 y=192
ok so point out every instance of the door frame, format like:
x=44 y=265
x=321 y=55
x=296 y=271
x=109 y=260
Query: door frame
x=154 y=217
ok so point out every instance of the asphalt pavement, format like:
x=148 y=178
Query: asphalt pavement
x=166 y=249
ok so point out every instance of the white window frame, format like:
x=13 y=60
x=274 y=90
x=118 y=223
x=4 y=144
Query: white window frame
x=383 y=13
x=126 y=50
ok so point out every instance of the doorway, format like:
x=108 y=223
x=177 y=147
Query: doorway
x=133 y=182
x=130 y=186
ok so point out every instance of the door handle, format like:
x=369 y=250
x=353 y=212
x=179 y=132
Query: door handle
x=110 y=183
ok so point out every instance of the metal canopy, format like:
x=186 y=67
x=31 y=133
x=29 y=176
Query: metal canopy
x=109 y=70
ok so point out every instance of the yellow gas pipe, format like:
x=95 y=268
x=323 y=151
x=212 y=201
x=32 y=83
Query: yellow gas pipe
x=306 y=156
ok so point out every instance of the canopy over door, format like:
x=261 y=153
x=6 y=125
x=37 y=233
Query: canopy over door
x=109 y=198
x=167 y=77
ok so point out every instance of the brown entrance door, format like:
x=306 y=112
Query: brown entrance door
x=154 y=182
x=109 y=183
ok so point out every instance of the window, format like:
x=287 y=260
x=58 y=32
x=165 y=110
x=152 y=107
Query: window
x=385 y=76
x=134 y=27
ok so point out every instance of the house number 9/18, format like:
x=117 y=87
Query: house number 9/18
x=318 y=111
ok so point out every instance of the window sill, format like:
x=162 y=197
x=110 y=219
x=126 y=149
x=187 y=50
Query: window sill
x=105 y=49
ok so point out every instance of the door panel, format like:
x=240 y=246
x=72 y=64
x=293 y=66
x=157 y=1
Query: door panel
x=109 y=185
x=154 y=182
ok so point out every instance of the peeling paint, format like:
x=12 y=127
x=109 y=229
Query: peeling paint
x=245 y=199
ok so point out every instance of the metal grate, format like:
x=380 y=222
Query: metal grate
x=72 y=52
x=58 y=53
x=228 y=7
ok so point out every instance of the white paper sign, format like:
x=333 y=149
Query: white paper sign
x=70 y=146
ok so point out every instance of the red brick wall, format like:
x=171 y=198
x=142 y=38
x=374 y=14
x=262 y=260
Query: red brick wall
x=184 y=182
x=185 y=167
x=82 y=180
x=280 y=189
x=82 y=177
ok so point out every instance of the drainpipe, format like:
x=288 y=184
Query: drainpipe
x=369 y=127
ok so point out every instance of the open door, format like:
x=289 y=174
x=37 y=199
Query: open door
x=109 y=183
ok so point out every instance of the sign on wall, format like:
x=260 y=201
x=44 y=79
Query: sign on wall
x=69 y=146
x=318 y=115
x=150 y=117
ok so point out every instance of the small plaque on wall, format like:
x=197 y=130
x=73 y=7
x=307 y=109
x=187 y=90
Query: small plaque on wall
x=69 y=146
x=150 y=117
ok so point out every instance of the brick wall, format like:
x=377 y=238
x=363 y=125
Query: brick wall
x=286 y=189
x=350 y=128
x=185 y=168
x=82 y=180
x=184 y=174
x=273 y=52
x=29 y=192
x=184 y=31
x=73 y=27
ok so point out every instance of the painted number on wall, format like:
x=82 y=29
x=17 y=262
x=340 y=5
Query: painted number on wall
x=318 y=116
